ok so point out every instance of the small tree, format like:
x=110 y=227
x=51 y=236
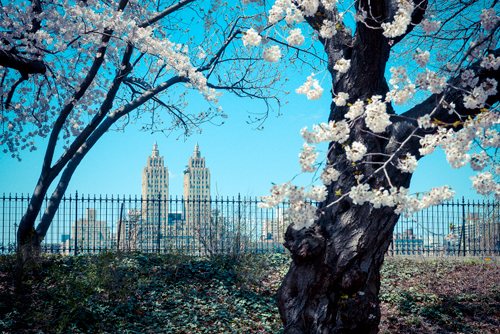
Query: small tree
x=73 y=70
x=451 y=101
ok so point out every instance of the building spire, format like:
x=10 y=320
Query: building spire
x=196 y=153
x=155 y=152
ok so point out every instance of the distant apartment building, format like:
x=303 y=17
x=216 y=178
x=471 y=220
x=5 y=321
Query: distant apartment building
x=154 y=214
x=406 y=243
x=477 y=234
x=273 y=230
x=88 y=235
x=197 y=212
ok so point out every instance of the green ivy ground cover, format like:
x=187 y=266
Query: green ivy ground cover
x=150 y=293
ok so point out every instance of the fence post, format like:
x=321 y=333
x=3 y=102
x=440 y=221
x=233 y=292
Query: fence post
x=463 y=226
x=159 y=222
x=119 y=227
x=76 y=220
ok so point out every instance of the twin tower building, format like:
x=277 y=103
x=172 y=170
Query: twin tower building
x=179 y=225
x=196 y=177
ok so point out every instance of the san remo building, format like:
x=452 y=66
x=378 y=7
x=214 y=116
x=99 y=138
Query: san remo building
x=197 y=198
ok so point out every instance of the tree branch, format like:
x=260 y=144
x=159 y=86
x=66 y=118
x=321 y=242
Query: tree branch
x=455 y=94
x=165 y=12
x=23 y=65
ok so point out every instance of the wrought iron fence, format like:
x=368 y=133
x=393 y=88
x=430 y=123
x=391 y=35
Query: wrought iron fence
x=90 y=224
x=452 y=228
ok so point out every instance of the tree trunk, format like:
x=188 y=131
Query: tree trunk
x=333 y=282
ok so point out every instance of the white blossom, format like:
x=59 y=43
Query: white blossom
x=295 y=37
x=430 y=26
x=307 y=158
x=421 y=58
x=488 y=19
x=408 y=164
x=376 y=117
x=329 y=175
x=328 y=29
x=272 y=54
x=401 y=20
x=355 y=110
x=313 y=93
x=490 y=62
x=251 y=37
x=341 y=99
x=355 y=152
x=342 y=65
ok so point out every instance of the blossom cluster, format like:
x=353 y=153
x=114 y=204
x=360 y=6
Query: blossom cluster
x=408 y=164
x=251 y=37
x=272 y=54
x=484 y=184
x=355 y=152
x=301 y=212
x=430 y=26
x=398 y=197
x=488 y=19
x=313 y=93
x=401 y=20
x=342 y=65
x=377 y=119
x=333 y=131
x=296 y=37
x=328 y=29
x=70 y=40
x=477 y=98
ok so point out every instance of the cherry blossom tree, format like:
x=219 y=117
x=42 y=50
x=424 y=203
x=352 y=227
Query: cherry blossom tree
x=72 y=70
x=437 y=64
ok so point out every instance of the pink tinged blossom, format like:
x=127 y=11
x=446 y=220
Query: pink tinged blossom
x=401 y=20
x=490 y=62
x=425 y=122
x=485 y=185
x=477 y=98
x=430 y=26
x=329 y=175
x=376 y=117
x=307 y=158
x=479 y=161
x=295 y=37
x=488 y=19
x=341 y=99
x=342 y=65
x=408 y=164
x=328 y=29
x=469 y=79
x=302 y=215
x=355 y=152
x=421 y=58
x=272 y=54
x=317 y=193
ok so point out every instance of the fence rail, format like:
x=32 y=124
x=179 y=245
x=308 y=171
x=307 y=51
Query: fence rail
x=90 y=224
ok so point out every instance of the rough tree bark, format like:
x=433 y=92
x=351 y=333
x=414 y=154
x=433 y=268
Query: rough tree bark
x=333 y=282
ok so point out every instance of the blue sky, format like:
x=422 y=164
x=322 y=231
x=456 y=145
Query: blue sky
x=241 y=160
